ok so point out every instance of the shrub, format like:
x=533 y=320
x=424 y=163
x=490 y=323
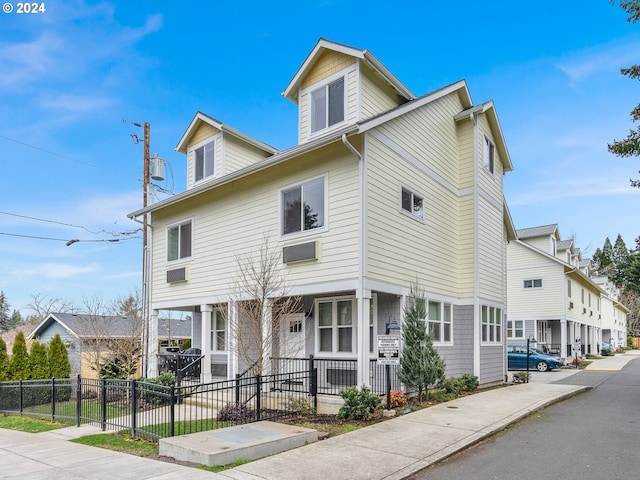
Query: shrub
x=605 y=352
x=443 y=396
x=58 y=358
x=469 y=382
x=235 y=412
x=300 y=406
x=154 y=390
x=452 y=386
x=521 y=377
x=398 y=399
x=358 y=404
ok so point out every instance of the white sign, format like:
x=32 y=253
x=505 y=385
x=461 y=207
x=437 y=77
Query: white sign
x=388 y=349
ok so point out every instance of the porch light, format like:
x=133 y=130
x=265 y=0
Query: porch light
x=392 y=324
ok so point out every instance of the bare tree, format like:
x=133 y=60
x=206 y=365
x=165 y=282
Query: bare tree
x=42 y=306
x=95 y=327
x=263 y=305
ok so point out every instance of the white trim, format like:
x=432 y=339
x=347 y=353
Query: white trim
x=335 y=337
x=414 y=193
x=217 y=164
x=177 y=261
x=324 y=83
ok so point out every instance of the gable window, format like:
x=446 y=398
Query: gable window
x=179 y=241
x=327 y=105
x=218 y=332
x=535 y=283
x=491 y=324
x=335 y=325
x=439 y=322
x=489 y=154
x=204 y=161
x=515 y=329
x=303 y=207
x=412 y=203
x=569 y=288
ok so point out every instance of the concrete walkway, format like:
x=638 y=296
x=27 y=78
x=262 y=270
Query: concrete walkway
x=389 y=450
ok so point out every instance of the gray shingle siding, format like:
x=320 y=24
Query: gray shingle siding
x=459 y=357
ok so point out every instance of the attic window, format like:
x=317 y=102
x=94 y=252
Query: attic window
x=204 y=161
x=327 y=105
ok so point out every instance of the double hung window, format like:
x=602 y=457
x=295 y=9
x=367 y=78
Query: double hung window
x=218 y=332
x=534 y=283
x=335 y=325
x=515 y=329
x=491 y=324
x=489 y=154
x=439 y=322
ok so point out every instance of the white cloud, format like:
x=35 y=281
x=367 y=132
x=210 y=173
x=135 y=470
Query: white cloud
x=59 y=271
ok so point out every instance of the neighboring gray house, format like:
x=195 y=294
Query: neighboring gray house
x=77 y=331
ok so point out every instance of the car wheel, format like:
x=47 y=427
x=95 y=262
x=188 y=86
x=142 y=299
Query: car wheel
x=542 y=367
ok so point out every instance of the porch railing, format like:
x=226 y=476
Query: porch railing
x=336 y=374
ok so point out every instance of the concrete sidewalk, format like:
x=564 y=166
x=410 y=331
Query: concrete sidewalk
x=393 y=449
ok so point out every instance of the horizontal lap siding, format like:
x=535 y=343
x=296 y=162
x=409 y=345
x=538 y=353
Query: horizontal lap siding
x=232 y=220
x=238 y=154
x=376 y=97
x=400 y=247
x=526 y=264
x=491 y=261
x=203 y=132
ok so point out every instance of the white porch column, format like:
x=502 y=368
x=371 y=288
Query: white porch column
x=362 y=343
x=205 y=319
x=563 y=338
x=152 y=344
x=232 y=340
x=267 y=336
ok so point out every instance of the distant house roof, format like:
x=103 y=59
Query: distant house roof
x=84 y=326
x=537 y=231
x=564 y=244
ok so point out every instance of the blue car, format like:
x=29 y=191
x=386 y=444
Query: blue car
x=517 y=359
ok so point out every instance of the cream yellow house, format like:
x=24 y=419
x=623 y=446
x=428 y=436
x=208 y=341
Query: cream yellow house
x=553 y=297
x=382 y=190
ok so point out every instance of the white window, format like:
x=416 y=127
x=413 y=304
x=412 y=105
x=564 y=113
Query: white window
x=218 y=332
x=439 y=322
x=515 y=329
x=373 y=314
x=489 y=154
x=179 y=241
x=412 y=203
x=327 y=105
x=303 y=207
x=204 y=160
x=335 y=326
x=491 y=324
x=569 y=288
x=535 y=283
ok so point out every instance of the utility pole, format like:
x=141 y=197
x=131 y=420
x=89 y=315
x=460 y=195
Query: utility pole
x=145 y=250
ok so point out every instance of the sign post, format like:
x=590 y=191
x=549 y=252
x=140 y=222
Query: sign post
x=388 y=354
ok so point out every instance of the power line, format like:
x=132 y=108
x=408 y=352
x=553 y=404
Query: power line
x=46 y=151
x=131 y=232
x=69 y=242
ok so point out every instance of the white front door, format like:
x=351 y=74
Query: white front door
x=294 y=336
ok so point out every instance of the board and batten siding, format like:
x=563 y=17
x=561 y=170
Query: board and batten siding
x=232 y=220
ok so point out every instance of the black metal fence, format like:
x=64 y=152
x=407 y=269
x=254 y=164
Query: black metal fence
x=153 y=411
x=336 y=374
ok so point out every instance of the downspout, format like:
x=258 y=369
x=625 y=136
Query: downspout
x=363 y=312
x=477 y=315
x=146 y=297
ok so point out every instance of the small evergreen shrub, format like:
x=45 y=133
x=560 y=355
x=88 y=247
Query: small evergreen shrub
x=469 y=382
x=521 y=377
x=443 y=396
x=300 y=406
x=358 y=404
x=154 y=390
x=398 y=399
x=452 y=386
x=235 y=412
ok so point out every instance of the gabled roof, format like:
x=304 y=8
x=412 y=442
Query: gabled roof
x=489 y=109
x=538 y=231
x=363 y=55
x=77 y=324
x=200 y=118
x=564 y=244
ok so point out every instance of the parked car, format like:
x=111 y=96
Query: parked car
x=606 y=346
x=517 y=359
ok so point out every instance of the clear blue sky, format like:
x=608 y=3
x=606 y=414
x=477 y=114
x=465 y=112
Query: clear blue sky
x=75 y=78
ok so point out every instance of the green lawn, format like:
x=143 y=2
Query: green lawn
x=27 y=424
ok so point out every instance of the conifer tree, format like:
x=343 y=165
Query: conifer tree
x=19 y=364
x=4 y=361
x=420 y=363
x=58 y=358
x=38 y=361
